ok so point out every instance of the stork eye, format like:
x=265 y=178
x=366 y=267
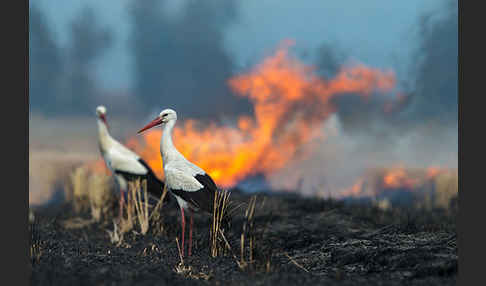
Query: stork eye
x=164 y=115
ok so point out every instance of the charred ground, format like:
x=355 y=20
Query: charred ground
x=297 y=240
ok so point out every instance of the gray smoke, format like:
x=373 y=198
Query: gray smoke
x=181 y=61
x=62 y=79
x=434 y=95
x=89 y=41
x=45 y=63
x=419 y=131
x=429 y=97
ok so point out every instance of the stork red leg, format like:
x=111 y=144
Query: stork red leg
x=190 y=237
x=183 y=229
x=121 y=202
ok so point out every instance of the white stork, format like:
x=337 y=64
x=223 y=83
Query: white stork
x=192 y=187
x=124 y=163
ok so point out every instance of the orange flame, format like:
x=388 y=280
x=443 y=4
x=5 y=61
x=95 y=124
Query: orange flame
x=377 y=181
x=433 y=171
x=290 y=103
x=355 y=190
x=396 y=178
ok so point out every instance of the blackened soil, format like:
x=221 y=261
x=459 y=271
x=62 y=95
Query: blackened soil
x=297 y=241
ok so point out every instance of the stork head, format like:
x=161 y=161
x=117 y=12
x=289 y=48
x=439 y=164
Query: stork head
x=100 y=112
x=165 y=116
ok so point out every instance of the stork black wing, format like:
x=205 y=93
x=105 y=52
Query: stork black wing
x=207 y=182
x=203 y=198
x=155 y=186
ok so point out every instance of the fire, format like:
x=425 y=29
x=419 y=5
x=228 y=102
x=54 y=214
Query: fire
x=356 y=189
x=433 y=171
x=290 y=102
x=378 y=181
x=397 y=178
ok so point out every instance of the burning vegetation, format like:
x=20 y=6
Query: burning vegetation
x=430 y=187
x=290 y=103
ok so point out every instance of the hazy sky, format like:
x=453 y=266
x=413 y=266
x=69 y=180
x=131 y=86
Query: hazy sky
x=377 y=33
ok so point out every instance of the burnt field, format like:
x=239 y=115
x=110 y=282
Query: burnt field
x=288 y=240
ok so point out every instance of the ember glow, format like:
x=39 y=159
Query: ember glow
x=290 y=102
x=378 y=181
x=397 y=178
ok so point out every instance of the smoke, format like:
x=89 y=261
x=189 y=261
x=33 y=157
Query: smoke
x=428 y=97
x=45 y=60
x=181 y=61
x=435 y=88
x=62 y=79
x=89 y=41
x=330 y=58
x=413 y=126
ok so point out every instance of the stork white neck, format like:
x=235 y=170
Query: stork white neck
x=103 y=135
x=167 y=148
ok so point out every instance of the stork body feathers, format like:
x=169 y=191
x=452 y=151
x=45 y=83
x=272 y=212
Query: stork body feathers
x=125 y=164
x=193 y=188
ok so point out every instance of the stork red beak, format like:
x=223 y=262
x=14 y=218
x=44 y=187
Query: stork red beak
x=155 y=122
x=103 y=117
